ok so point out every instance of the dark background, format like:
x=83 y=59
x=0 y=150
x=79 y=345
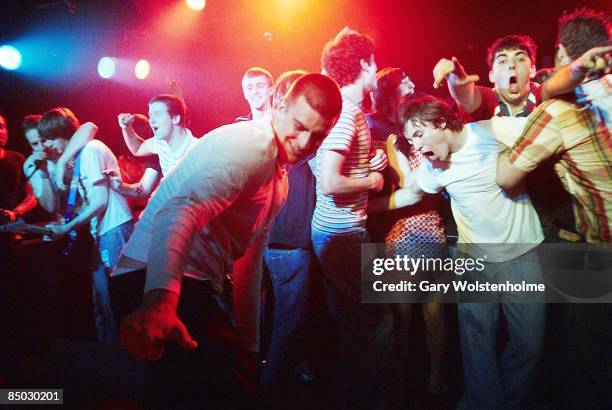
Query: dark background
x=208 y=51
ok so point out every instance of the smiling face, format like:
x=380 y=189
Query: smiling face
x=299 y=129
x=160 y=120
x=257 y=91
x=430 y=141
x=511 y=71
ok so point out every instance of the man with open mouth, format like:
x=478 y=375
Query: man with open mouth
x=511 y=67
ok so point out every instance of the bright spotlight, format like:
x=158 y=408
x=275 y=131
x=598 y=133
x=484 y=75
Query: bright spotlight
x=10 y=57
x=106 y=67
x=142 y=69
x=196 y=4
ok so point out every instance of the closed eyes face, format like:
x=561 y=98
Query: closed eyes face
x=34 y=140
x=299 y=129
x=428 y=140
x=54 y=148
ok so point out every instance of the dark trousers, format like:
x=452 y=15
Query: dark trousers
x=212 y=376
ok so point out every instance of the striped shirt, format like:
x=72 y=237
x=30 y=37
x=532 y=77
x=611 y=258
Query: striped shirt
x=351 y=138
x=579 y=134
x=167 y=157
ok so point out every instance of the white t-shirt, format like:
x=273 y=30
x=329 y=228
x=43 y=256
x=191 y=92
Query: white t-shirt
x=484 y=213
x=167 y=157
x=96 y=157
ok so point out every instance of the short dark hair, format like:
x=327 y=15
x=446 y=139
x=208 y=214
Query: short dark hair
x=513 y=41
x=341 y=56
x=283 y=82
x=58 y=122
x=426 y=109
x=321 y=93
x=387 y=81
x=582 y=30
x=258 y=72
x=30 y=122
x=175 y=106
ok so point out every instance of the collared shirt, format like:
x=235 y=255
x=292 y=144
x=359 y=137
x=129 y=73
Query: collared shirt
x=492 y=105
x=579 y=134
x=217 y=202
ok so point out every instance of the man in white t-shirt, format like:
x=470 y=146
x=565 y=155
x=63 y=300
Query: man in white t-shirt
x=106 y=211
x=502 y=229
x=171 y=139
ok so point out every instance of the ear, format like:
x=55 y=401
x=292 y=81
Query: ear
x=176 y=120
x=532 y=71
x=491 y=77
x=282 y=105
x=561 y=57
x=443 y=125
x=364 y=64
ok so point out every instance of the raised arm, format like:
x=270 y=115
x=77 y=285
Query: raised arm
x=568 y=77
x=85 y=133
x=133 y=141
x=461 y=86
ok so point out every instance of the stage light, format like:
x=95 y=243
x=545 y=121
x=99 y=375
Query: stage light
x=142 y=69
x=196 y=5
x=10 y=57
x=106 y=67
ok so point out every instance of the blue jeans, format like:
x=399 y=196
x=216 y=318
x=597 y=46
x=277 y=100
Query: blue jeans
x=290 y=272
x=507 y=384
x=109 y=247
x=366 y=370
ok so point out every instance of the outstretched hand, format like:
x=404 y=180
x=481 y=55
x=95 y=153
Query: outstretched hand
x=453 y=71
x=597 y=59
x=144 y=332
x=114 y=179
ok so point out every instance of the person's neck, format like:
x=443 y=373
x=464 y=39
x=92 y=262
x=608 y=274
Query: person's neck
x=259 y=113
x=177 y=138
x=354 y=92
x=456 y=140
x=516 y=106
x=2 y=152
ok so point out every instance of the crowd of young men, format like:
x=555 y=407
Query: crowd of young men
x=215 y=211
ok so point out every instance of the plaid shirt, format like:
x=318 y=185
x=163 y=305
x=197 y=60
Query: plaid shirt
x=578 y=134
